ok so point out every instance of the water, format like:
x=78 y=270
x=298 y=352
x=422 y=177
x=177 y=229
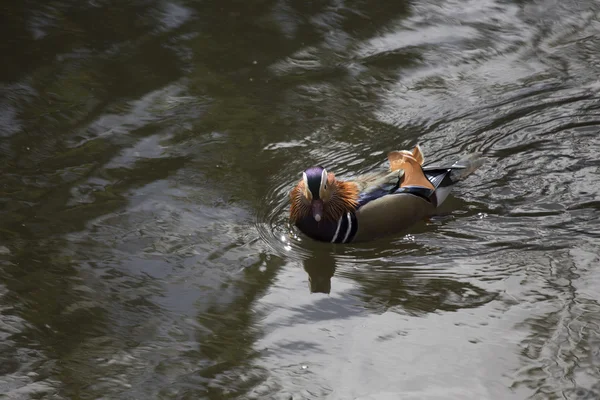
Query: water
x=147 y=151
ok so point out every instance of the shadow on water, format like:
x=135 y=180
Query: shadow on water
x=389 y=288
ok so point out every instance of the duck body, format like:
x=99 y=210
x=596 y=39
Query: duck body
x=377 y=205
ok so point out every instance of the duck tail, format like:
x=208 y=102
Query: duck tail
x=466 y=166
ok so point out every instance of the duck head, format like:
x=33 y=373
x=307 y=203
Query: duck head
x=320 y=195
x=316 y=189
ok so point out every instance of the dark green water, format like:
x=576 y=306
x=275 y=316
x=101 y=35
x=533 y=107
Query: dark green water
x=146 y=151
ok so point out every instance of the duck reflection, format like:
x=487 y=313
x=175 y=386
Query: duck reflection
x=320 y=267
x=384 y=285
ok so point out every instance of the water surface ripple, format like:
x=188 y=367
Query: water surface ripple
x=147 y=150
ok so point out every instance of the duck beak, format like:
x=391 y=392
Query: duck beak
x=317 y=209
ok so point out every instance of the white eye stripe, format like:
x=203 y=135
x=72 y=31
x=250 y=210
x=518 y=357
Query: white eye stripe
x=308 y=193
x=324 y=179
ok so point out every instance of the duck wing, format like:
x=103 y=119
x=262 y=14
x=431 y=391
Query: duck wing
x=387 y=181
x=420 y=192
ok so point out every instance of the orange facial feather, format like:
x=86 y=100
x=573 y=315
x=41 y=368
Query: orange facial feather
x=300 y=205
x=344 y=198
x=341 y=198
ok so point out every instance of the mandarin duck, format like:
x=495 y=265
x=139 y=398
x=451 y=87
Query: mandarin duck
x=373 y=205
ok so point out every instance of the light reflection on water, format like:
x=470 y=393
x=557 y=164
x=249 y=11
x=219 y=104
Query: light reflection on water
x=145 y=250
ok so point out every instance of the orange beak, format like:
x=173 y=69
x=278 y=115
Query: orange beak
x=317 y=209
